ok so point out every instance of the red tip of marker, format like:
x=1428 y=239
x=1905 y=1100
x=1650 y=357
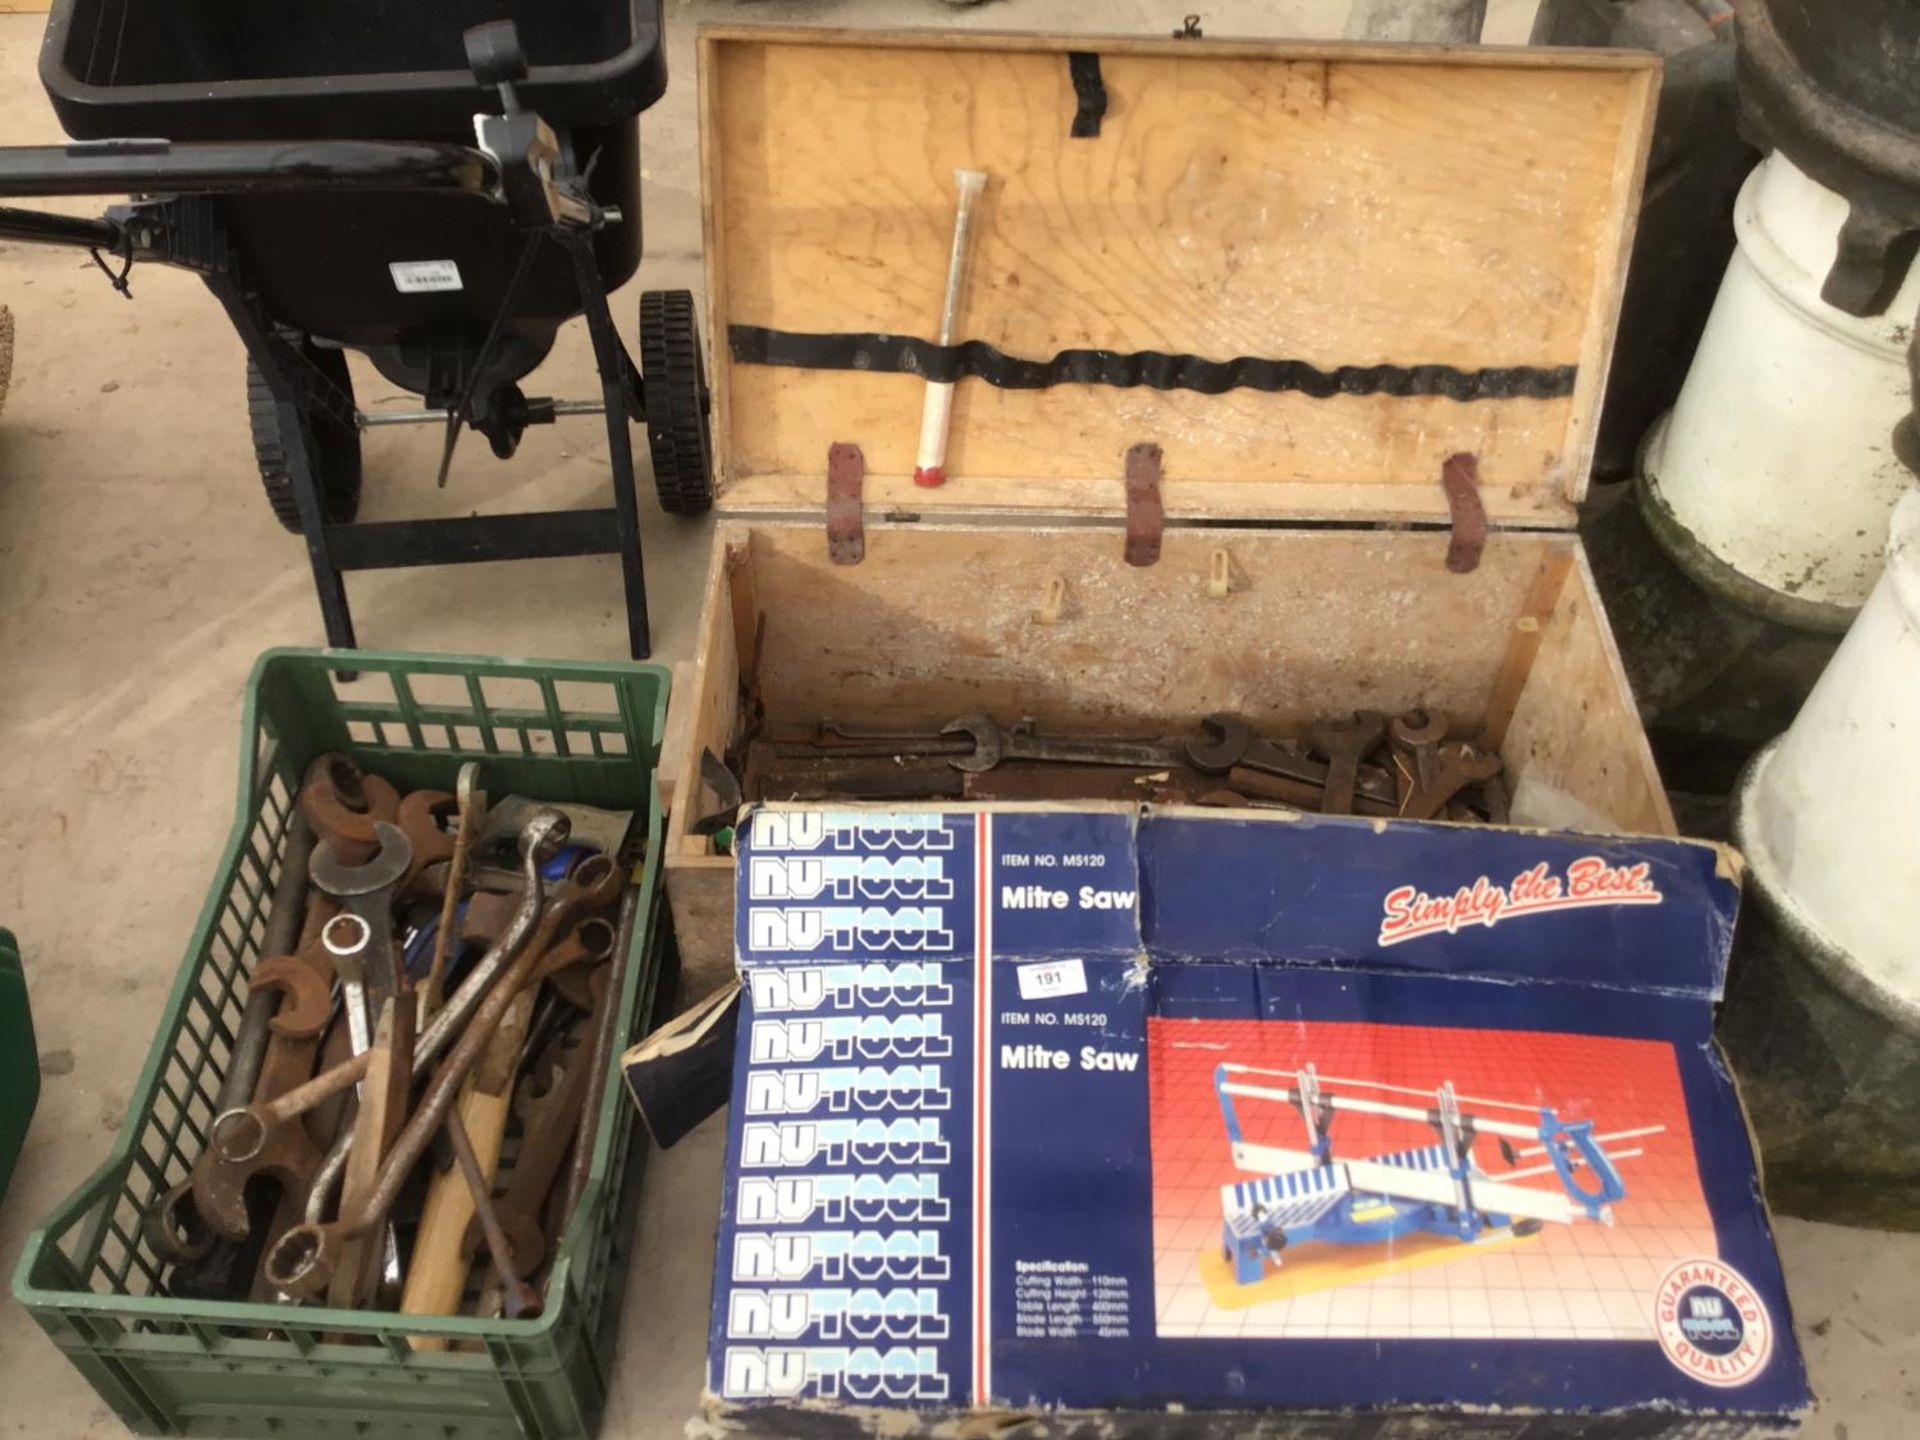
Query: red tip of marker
x=930 y=479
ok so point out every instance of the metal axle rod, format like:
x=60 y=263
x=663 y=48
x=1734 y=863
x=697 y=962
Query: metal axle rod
x=371 y=419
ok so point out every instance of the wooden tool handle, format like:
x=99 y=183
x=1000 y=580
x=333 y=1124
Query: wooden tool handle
x=437 y=1276
x=383 y=1110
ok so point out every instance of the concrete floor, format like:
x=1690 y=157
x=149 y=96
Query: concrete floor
x=140 y=574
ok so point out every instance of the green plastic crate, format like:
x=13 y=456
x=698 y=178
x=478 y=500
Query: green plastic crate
x=557 y=731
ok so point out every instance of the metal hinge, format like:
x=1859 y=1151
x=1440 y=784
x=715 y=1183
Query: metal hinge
x=1145 y=513
x=846 y=528
x=1460 y=478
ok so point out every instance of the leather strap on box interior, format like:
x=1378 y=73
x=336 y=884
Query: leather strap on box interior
x=1089 y=94
x=911 y=355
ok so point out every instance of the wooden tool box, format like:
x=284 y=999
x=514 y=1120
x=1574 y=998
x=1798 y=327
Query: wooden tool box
x=1250 y=298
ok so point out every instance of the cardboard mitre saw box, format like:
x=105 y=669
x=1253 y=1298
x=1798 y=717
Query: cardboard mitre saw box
x=1176 y=1124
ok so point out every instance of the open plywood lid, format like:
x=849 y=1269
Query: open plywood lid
x=1430 y=243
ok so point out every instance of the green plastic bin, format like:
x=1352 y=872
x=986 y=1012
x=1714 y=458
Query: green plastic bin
x=557 y=731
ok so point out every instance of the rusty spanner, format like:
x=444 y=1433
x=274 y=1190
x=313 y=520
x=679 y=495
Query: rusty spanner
x=489 y=920
x=281 y=938
x=989 y=745
x=530 y=928
x=1455 y=767
x=1416 y=739
x=878 y=747
x=833 y=735
x=471 y=801
x=303 y=1261
x=841 y=742
x=567 y=967
x=549 y=1126
x=1231 y=743
x=173 y=1226
x=1345 y=742
x=605 y=1041
x=343 y=804
x=219 y=1180
x=419 y=820
x=307 y=1257
x=240 y=1132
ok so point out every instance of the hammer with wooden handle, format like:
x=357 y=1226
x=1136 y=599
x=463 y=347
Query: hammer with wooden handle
x=930 y=470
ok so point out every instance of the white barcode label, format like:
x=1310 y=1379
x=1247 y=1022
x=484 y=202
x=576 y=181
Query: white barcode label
x=410 y=277
x=1052 y=978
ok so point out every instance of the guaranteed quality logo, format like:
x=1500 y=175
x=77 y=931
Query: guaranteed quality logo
x=1411 y=912
x=1711 y=1324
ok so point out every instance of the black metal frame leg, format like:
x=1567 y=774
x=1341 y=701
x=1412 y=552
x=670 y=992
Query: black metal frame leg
x=277 y=362
x=623 y=407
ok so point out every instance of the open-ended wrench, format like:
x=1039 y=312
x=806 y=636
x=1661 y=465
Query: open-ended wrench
x=834 y=736
x=1230 y=742
x=550 y=1124
x=239 y=1134
x=419 y=820
x=380 y=1018
x=470 y=801
x=1455 y=767
x=173 y=1226
x=343 y=803
x=366 y=890
x=303 y=1261
x=1416 y=739
x=909 y=747
x=289 y=1156
x=839 y=742
x=484 y=920
x=306 y=1258
x=605 y=1042
x=1345 y=743
x=990 y=744
x=590 y=943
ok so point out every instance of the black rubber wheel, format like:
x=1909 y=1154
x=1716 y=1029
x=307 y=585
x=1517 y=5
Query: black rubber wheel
x=675 y=379
x=336 y=446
